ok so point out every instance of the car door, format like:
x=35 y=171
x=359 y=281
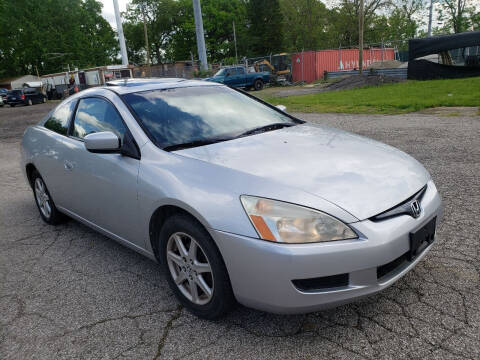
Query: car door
x=38 y=96
x=229 y=78
x=49 y=157
x=102 y=186
x=241 y=77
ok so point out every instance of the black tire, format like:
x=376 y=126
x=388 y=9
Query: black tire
x=222 y=299
x=55 y=216
x=258 y=84
x=12 y=105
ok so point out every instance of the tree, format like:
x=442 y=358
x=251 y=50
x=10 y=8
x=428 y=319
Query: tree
x=343 y=21
x=49 y=34
x=458 y=15
x=304 y=24
x=404 y=21
x=264 y=27
x=171 y=29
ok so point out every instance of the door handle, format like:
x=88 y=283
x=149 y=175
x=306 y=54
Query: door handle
x=68 y=165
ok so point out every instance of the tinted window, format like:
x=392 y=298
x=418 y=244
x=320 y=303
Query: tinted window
x=181 y=115
x=15 y=92
x=96 y=115
x=59 y=120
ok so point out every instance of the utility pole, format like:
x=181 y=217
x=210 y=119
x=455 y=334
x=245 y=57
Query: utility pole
x=202 y=52
x=235 y=40
x=147 y=48
x=121 y=38
x=430 y=15
x=360 y=38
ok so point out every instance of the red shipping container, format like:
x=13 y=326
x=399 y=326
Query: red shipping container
x=334 y=60
x=303 y=66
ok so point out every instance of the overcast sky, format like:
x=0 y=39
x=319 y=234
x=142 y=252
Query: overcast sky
x=108 y=12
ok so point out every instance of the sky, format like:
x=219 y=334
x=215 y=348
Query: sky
x=108 y=12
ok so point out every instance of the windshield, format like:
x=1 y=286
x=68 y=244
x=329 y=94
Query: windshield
x=200 y=114
x=220 y=72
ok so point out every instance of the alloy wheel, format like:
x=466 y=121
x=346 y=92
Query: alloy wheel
x=42 y=197
x=190 y=268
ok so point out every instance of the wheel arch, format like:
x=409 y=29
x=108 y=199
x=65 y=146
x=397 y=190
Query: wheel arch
x=162 y=213
x=29 y=170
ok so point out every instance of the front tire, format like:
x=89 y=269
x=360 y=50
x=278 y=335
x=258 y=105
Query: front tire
x=45 y=204
x=194 y=268
x=258 y=84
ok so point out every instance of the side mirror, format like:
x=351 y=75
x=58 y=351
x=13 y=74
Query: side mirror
x=105 y=141
x=281 y=107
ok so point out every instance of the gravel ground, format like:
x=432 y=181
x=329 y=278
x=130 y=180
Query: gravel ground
x=68 y=292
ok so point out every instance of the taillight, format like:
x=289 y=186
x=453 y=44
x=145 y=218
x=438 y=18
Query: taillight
x=22 y=97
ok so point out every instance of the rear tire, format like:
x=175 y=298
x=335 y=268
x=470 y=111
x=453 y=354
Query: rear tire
x=258 y=84
x=12 y=105
x=45 y=204
x=198 y=278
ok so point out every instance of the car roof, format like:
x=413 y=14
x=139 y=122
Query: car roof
x=126 y=86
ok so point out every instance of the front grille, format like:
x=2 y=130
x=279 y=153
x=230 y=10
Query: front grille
x=321 y=283
x=403 y=208
x=390 y=267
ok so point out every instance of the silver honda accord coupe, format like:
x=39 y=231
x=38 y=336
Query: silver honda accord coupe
x=235 y=198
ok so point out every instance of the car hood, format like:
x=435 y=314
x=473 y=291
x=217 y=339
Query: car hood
x=362 y=176
x=215 y=78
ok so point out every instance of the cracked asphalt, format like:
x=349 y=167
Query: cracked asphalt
x=68 y=292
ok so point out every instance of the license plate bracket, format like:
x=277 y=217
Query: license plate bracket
x=421 y=238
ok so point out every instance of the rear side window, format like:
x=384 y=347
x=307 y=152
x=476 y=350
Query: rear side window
x=96 y=115
x=59 y=120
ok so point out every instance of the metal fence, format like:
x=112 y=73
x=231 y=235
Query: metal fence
x=398 y=72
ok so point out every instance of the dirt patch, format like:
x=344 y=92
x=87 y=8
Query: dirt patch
x=14 y=121
x=359 y=81
x=386 y=64
x=452 y=111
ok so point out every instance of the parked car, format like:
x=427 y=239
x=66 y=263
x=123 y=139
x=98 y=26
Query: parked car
x=26 y=96
x=237 y=76
x=3 y=94
x=235 y=198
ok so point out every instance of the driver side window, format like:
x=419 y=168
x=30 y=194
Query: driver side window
x=96 y=115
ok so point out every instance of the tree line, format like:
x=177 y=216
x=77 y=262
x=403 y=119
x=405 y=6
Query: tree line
x=46 y=36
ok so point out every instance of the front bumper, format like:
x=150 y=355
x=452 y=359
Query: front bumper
x=262 y=272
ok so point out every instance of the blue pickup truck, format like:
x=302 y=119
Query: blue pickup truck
x=237 y=76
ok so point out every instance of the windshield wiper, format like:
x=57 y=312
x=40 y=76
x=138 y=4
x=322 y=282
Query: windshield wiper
x=195 y=143
x=265 y=128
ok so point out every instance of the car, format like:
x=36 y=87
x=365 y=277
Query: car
x=25 y=96
x=238 y=76
x=237 y=200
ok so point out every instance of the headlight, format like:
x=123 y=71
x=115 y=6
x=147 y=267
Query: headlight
x=287 y=223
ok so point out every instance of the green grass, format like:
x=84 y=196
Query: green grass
x=387 y=99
